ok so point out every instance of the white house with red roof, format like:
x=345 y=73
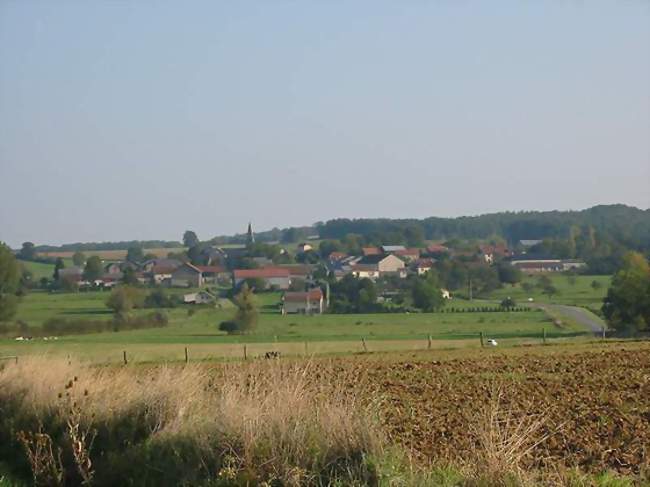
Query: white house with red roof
x=307 y=302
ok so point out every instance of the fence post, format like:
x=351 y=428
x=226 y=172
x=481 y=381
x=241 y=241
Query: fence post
x=245 y=357
x=187 y=356
x=544 y=335
x=481 y=336
x=363 y=342
x=124 y=357
x=429 y=342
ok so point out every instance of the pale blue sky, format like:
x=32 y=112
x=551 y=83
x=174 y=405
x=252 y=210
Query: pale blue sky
x=140 y=119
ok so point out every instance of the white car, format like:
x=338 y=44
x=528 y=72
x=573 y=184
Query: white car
x=492 y=342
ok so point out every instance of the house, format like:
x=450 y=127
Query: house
x=408 y=255
x=213 y=273
x=371 y=251
x=297 y=271
x=160 y=270
x=536 y=265
x=202 y=297
x=113 y=268
x=336 y=256
x=305 y=247
x=186 y=275
x=445 y=294
x=308 y=302
x=389 y=249
x=437 y=249
x=422 y=266
x=272 y=276
x=490 y=253
x=571 y=264
x=373 y=266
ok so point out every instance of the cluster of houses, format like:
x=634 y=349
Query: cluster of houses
x=373 y=263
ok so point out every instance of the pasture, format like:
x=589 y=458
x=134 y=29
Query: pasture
x=197 y=328
x=575 y=293
x=113 y=254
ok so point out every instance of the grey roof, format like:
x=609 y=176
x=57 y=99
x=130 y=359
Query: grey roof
x=392 y=248
x=529 y=243
x=371 y=259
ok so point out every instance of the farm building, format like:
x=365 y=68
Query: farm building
x=213 y=273
x=373 y=266
x=187 y=275
x=309 y=302
x=272 y=276
x=530 y=265
x=422 y=266
x=409 y=255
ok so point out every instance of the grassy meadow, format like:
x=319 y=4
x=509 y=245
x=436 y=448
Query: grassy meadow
x=580 y=293
x=197 y=328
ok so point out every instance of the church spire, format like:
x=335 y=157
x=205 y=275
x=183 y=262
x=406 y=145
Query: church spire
x=250 y=236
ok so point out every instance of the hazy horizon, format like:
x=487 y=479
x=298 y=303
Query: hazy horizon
x=137 y=121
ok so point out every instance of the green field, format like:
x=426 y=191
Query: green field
x=579 y=294
x=197 y=328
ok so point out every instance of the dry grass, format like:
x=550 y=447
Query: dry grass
x=266 y=421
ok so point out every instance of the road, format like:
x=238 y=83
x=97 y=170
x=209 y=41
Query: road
x=580 y=315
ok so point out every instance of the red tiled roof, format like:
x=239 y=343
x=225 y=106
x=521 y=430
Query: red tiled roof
x=264 y=273
x=425 y=263
x=312 y=295
x=408 y=252
x=296 y=270
x=371 y=251
x=437 y=248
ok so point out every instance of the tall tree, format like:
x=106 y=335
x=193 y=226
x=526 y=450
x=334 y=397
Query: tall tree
x=9 y=283
x=94 y=269
x=246 y=314
x=135 y=254
x=190 y=239
x=627 y=304
x=27 y=252
x=58 y=265
x=79 y=258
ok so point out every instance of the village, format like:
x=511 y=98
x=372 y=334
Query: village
x=304 y=274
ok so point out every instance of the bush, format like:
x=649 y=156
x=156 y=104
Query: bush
x=229 y=327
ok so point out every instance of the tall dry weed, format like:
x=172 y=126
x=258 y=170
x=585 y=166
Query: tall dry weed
x=241 y=423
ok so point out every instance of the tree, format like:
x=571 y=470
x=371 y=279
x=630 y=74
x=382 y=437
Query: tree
x=59 y=264
x=27 y=251
x=9 y=283
x=135 y=254
x=627 y=304
x=550 y=290
x=509 y=274
x=571 y=279
x=78 y=258
x=426 y=295
x=595 y=285
x=246 y=314
x=129 y=278
x=94 y=269
x=190 y=239
x=123 y=299
x=527 y=287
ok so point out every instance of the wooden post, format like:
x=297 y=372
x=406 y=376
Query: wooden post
x=245 y=356
x=187 y=356
x=124 y=356
x=544 y=335
x=429 y=343
x=481 y=336
x=363 y=342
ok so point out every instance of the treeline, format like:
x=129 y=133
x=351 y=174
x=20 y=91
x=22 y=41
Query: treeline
x=622 y=224
x=145 y=244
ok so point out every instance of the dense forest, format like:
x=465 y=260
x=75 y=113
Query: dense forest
x=619 y=223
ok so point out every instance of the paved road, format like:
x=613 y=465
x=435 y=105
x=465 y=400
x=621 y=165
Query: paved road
x=581 y=315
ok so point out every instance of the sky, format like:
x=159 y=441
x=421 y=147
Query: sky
x=124 y=120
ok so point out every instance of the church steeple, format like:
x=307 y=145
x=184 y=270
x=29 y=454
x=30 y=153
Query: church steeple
x=250 y=236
